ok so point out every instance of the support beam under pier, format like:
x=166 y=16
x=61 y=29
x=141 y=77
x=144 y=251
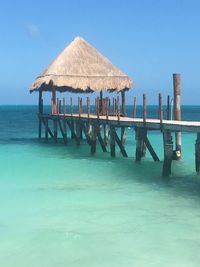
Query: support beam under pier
x=168 y=152
x=94 y=139
x=139 y=143
x=112 y=141
x=197 y=154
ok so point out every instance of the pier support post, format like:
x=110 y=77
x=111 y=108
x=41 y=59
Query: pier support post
x=65 y=131
x=123 y=103
x=177 y=112
x=197 y=154
x=101 y=141
x=112 y=141
x=168 y=108
x=134 y=107
x=53 y=101
x=46 y=129
x=139 y=144
x=101 y=103
x=78 y=131
x=55 y=125
x=72 y=129
x=62 y=130
x=40 y=111
x=94 y=139
x=105 y=129
x=168 y=153
x=144 y=149
x=123 y=135
x=123 y=129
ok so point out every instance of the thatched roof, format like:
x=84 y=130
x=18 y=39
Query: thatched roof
x=81 y=68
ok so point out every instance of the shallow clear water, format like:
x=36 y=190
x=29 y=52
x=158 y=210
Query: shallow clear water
x=59 y=206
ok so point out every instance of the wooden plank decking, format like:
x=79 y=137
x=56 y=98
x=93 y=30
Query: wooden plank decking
x=150 y=124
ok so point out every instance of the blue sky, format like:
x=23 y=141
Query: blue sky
x=149 y=40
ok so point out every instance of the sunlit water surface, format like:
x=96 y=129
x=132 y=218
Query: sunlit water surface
x=60 y=206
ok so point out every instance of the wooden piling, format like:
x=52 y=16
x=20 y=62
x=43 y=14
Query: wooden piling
x=123 y=129
x=40 y=111
x=88 y=106
x=60 y=105
x=112 y=141
x=144 y=109
x=177 y=111
x=65 y=131
x=78 y=131
x=71 y=106
x=134 y=107
x=120 y=144
x=94 y=139
x=123 y=135
x=101 y=141
x=101 y=103
x=168 y=108
x=114 y=111
x=118 y=108
x=53 y=100
x=55 y=125
x=160 y=109
x=79 y=106
x=149 y=146
x=95 y=106
x=105 y=133
x=62 y=130
x=57 y=105
x=98 y=107
x=46 y=129
x=107 y=107
x=168 y=153
x=123 y=103
x=64 y=106
x=197 y=154
x=139 y=143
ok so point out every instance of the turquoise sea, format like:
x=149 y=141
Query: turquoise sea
x=60 y=206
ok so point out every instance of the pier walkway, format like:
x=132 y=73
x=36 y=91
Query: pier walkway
x=106 y=128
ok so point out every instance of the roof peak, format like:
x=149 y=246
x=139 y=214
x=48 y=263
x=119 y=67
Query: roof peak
x=81 y=66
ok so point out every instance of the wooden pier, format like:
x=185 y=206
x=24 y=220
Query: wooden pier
x=80 y=68
x=103 y=128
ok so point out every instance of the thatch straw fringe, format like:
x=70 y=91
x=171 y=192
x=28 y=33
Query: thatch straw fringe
x=81 y=68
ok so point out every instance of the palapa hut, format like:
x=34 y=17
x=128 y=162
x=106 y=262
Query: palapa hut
x=80 y=68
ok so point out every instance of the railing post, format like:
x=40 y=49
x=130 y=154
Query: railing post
x=160 y=112
x=71 y=106
x=59 y=106
x=98 y=107
x=168 y=107
x=40 y=111
x=88 y=106
x=79 y=107
x=53 y=101
x=177 y=111
x=144 y=109
x=107 y=107
x=64 y=106
x=113 y=106
x=118 y=108
x=134 y=107
x=101 y=103
x=123 y=103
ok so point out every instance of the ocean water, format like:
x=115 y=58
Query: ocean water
x=60 y=206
